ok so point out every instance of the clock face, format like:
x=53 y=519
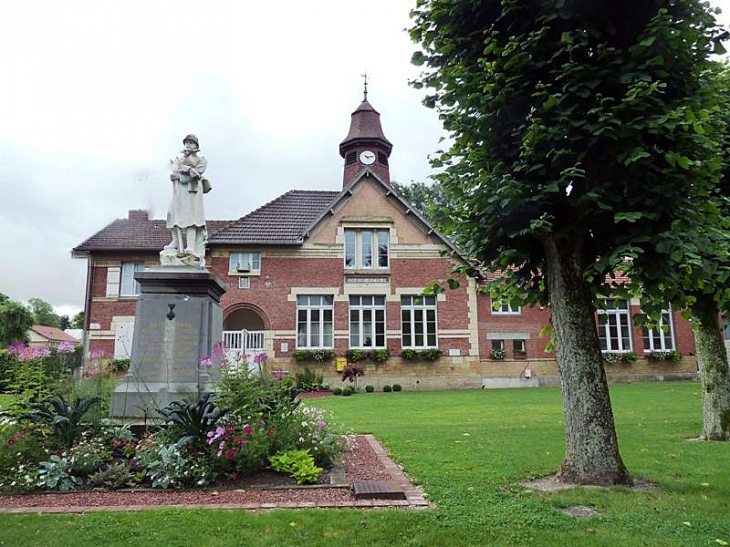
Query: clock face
x=367 y=157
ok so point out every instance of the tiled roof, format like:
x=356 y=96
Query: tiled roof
x=282 y=221
x=137 y=234
x=53 y=334
x=365 y=125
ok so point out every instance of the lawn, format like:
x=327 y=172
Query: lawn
x=470 y=450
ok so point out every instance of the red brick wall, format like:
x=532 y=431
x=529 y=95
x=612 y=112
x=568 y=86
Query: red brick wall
x=269 y=291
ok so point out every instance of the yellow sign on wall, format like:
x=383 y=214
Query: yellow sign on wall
x=341 y=363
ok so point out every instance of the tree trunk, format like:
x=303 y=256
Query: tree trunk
x=714 y=375
x=592 y=455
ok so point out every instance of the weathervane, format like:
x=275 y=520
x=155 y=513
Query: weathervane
x=365 y=92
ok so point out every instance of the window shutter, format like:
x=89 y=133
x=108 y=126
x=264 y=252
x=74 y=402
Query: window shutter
x=112 y=280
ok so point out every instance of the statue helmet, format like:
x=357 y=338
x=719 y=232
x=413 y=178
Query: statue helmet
x=193 y=138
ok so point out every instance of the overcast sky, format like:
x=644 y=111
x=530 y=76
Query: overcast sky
x=96 y=97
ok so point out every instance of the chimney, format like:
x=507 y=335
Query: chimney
x=139 y=214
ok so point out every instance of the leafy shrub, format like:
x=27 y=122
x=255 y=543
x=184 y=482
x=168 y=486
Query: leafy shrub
x=298 y=463
x=309 y=381
x=380 y=355
x=387 y=389
x=116 y=475
x=164 y=465
x=56 y=474
x=629 y=357
x=431 y=354
x=192 y=421
x=337 y=391
x=355 y=355
x=88 y=456
x=397 y=387
x=21 y=450
x=409 y=355
x=369 y=389
x=119 y=365
x=347 y=392
x=62 y=417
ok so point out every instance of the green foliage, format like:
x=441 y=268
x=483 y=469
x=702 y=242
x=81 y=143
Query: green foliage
x=584 y=124
x=192 y=421
x=164 y=465
x=309 y=381
x=397 y=387
x=369 y=389
x=409 y=355
x=43 y=313
x=431 y=354
x=380 y=355
x=313 y=355
x=64 y=419
x=337 y=391
x=89 y=456
x=298 y=463
x=387 y=389
x=56 y=474
x=613 y=357
x=77 y=321
x=116 y=475
x=119 y=365
x=498 y=354
x=355 y=355
x=429 y=200
x=15 y=320
x=668 y=355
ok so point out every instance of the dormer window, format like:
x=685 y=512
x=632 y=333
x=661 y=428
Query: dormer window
x=367 y=249
x=244 y=263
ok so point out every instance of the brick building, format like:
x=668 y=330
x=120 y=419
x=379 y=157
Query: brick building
x=345 y=269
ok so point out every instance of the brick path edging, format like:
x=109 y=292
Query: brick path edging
x=414 y=497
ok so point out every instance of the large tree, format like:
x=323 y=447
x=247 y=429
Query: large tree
x=689 y=265
x=15 y=320
x=43 y=313
x=572 y=147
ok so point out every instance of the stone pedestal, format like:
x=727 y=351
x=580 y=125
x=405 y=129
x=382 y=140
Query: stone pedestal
x=178 y=321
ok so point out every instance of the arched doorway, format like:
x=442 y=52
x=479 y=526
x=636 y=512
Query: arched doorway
x=244 y=328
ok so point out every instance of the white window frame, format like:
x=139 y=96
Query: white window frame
x=664 y=330
x=363 y=245
x=617 y=318
x=414 y=316
x=113 y=279
x=504 y=308
x=360 y=307
x=244 y=263
x=127 y=285
x=306 y=306
x=498 y=344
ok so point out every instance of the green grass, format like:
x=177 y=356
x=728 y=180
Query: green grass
x=470 y=450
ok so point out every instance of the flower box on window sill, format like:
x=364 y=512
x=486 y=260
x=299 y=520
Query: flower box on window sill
x=498 y=354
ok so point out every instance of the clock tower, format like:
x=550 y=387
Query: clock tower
x=365 y=144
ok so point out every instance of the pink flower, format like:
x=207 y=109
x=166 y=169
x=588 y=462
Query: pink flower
x=230 y=454
x=260 y=358
x=247 y=429
x=270 y=432
x=11 y=442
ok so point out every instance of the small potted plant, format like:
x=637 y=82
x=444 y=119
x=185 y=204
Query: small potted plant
x=498 y=354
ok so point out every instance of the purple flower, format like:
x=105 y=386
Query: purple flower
x=97 y=354
x=260 y=358
x=219 y=349
x=66 y=347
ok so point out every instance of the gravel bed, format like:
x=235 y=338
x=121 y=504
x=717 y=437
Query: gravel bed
x=361 y=464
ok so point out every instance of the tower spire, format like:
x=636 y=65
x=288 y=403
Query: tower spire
x=365 y=86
